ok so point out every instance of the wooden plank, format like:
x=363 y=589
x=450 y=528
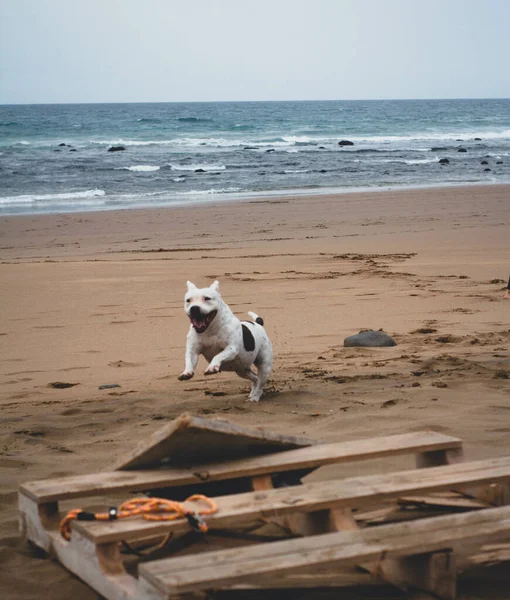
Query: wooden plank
x=64 y=488
x=334 y=579
x=491 y=554
x=191 y=440
x=315 y=496
x=227 y=568
x=460 y=502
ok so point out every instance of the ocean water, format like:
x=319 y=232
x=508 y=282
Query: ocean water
x=55 y=158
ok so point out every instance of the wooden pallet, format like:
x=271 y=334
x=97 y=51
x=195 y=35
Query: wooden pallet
x=332 y=515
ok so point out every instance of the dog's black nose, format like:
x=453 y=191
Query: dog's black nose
x=194 y=311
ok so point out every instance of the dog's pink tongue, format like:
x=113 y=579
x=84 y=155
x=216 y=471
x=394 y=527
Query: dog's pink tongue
x=198 y=323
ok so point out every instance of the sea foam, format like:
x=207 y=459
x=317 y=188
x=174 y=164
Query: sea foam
x=194 y=167
x=53 y=198
x=142 y=168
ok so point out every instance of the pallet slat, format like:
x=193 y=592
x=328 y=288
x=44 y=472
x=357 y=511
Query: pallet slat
x=351 y=492
x=196 y=440
x=227 y=568
x=65 y=488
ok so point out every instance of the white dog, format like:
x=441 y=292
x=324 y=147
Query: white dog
x=226 y=342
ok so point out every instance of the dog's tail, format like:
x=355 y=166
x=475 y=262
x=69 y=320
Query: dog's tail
x=256 y=318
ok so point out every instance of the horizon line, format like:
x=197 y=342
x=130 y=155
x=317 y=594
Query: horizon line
x=71 y=103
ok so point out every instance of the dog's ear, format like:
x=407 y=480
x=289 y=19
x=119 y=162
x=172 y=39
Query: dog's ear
x=191 y=286
x=215 y=286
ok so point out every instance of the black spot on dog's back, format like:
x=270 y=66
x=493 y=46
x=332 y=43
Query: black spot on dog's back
x=259 y=320
x=248 y=339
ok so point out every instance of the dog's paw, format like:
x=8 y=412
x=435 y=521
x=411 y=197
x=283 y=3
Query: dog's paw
x=212 y=369
x=253 y=398
x=186 y=375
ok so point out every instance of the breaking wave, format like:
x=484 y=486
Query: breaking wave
x=142 y=168
x=196 y=167
x=53 y=198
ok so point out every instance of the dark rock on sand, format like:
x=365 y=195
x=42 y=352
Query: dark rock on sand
x=116 y=148
x=444 y=161
x=461 y=150
x=345 y=143
x=388 y=403
x=369 y=339
x=61 y=385
x=446 y=339
x=501 y=374
x=484 y=162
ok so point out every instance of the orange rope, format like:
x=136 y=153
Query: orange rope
x=152 y=509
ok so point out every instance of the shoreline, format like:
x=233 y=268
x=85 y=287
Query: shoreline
x=265 y=196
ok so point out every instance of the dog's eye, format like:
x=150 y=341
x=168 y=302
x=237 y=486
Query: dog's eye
x=188 y=299
x=206 y=298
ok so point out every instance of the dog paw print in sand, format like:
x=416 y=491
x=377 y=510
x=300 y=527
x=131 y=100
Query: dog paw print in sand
x=123 y=363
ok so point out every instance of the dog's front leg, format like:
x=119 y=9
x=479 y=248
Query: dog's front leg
x=226 y=355
x=191 y=362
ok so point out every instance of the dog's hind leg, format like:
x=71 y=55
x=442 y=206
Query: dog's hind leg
x=250 y=375
x=263 y=371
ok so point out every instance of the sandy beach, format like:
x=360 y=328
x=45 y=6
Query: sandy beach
x=97 y=298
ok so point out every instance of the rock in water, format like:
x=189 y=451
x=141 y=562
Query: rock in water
x=369 y=339
x=116 y=149
x=345 y=143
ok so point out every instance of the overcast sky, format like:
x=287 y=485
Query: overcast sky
x=206 y=50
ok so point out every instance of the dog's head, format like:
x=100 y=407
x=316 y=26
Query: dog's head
x=202 y=305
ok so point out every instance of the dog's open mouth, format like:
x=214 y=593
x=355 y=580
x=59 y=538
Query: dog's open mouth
x=201 y=322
